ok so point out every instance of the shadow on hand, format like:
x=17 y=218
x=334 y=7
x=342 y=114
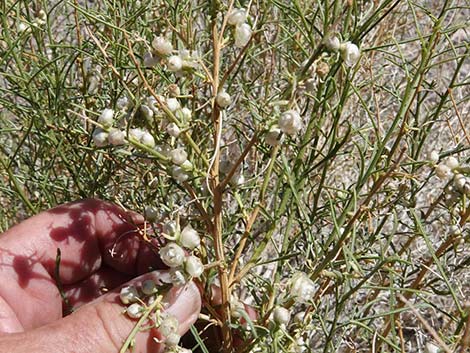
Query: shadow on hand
x=100 y=244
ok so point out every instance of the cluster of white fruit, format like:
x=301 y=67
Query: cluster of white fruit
x=168 y=327
x=40 y=19
x=179 y=252
x=171 y=116
x=301 y=290
x=350 y=52
x=458 y=186
x=139 y=300
x=289 y=123
x=107 y=134
x=449 y=168
x=182 y=267
x=177 y=62
x=243 y=31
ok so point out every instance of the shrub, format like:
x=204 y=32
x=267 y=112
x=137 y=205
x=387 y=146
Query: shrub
x=319 y=149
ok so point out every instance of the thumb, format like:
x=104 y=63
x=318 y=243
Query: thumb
x=102 y=326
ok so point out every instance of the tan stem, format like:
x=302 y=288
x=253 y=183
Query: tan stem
x=227 y=344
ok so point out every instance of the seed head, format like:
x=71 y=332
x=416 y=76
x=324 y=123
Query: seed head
x=137 y=134
x=281 y=315
x=290 y=122
x=162 y=46
x=223 y=99
x=433 y=157
x=443 y=171
x=173 y=90
x=178 y=156
x=151 y=214
x=177 y=277
x=350 y=53
x=236 y=17
x=148 y=140
x=146 y=111
x=22 y=27
x=172 y=339
x=452 y=162
x=331 y=42
x=302 y=287
x=106 y=118
x=179 y=174
x=455 y=229
x=243 y=34
x=431 y=348
x=193 y=266
x=171 y=228
x=173 y=104
x=134 y=311
x=189 y=238
x=173 y=130
x=459 y=181
x=186 y=113
x=237 y=179
x=175 y=63
x=149 y=287
x=116 y=137
x=100 y=137
x=172 y=255
x=168 y=325
x=123 y=103
x=128 y=294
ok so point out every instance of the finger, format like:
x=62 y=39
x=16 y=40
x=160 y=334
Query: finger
x=106 y=279
x=102 y=281
x=88 y=234
x=9 y=323
x=101 y=326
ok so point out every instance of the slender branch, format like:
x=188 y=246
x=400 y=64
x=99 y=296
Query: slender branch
x=428 y=327
x=462 y=124
x=239 y=161
x=217 y=38
x=242 y=243
x=128 y=342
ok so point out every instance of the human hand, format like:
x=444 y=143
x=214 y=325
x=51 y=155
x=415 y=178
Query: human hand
x=99 y=250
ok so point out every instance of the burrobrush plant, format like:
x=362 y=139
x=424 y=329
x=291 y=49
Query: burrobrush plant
x=305 y=162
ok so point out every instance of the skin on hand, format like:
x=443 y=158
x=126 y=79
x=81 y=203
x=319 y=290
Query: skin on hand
x=100 y=248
